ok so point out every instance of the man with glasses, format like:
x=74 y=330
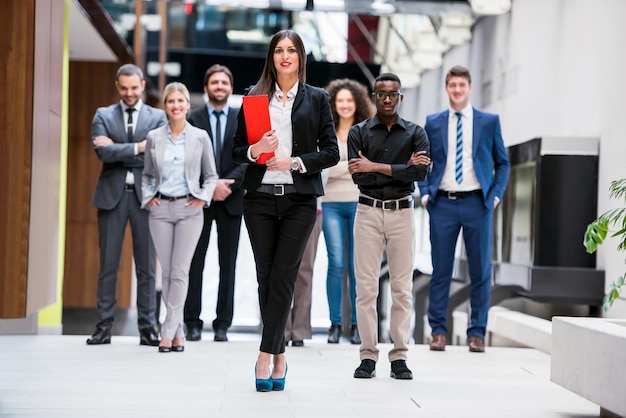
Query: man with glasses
x=387 y=154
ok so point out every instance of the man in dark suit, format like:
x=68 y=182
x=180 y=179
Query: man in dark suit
x=118 y=135
x=468 y=178
x=220 y=121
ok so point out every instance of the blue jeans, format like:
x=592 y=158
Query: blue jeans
x=338 y=225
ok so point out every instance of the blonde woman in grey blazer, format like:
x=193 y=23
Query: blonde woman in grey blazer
x=178 y=180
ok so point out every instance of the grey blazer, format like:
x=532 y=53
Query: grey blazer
x=119 y=158
x=199 y=163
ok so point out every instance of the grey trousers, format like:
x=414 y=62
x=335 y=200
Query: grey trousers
x=111 y=227
x=175 y=230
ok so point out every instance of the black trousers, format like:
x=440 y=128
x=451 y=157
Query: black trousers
x=279 y=229
x=228 y=231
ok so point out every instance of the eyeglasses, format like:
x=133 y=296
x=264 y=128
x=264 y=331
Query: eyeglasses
x=383 y=94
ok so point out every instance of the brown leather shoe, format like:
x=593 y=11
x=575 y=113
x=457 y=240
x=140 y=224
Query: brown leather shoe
x=438 y=343
x=476 y=344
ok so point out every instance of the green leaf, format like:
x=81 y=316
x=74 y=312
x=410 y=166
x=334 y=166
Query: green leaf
x=613 y=294
x=595 y=234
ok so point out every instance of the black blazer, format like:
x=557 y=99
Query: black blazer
x=228 y=168
x=314 y=141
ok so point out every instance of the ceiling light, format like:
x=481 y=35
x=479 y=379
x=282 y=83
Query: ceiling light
x=490 y=7
x=381 y=7
x=455 y=28
x=454 y=35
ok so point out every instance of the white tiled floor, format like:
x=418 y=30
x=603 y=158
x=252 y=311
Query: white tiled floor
x=60 y=376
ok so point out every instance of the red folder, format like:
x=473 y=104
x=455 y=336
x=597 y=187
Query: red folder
x=256 y=112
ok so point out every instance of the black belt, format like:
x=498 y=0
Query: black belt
x=458 y=195
x=129 y=187
x=277 y=189
x=173 y=198
x=387 y=204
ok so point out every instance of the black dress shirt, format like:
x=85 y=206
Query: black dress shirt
x=394 y=147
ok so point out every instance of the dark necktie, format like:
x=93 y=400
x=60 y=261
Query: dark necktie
x=459 y=148
x=129 y=125
x=218 y=139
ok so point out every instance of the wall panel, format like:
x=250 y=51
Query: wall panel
x=92 y=84
x=16 y=121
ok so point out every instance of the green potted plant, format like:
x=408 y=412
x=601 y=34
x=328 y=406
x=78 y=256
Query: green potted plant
x=598 y=230
x=603 y=339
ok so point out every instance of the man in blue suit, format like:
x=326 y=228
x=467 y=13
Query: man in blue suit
x=470 y=170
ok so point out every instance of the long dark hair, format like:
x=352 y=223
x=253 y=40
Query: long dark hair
x=364 y=108
x=267 y=82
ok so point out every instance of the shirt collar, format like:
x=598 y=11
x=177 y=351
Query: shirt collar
x=182 y=134
x=210 y=109
x=137 y=106
x=375 y=121
x=278 y=94
x=466 y=111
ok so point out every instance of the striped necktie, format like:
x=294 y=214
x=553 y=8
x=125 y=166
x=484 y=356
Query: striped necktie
x=459 y=148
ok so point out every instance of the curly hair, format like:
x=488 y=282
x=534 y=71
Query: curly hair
x=364 y=108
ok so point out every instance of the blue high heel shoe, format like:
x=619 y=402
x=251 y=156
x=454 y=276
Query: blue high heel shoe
x=279 y=384
x=263 y=385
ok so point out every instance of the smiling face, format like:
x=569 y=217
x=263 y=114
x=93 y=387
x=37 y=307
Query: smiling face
x=386 y=105
x=286 y=58
x=176 y=106
x=345 y=104
x=130 y=88
x=458 y=89
x=218 y=88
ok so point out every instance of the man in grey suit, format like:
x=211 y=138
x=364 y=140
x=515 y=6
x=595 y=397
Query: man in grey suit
x=118 y=135
x=226 y=207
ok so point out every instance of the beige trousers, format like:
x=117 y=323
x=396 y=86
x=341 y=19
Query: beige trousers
x=375 y=229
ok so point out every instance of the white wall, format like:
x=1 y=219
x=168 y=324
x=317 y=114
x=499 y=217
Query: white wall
x=551 y=68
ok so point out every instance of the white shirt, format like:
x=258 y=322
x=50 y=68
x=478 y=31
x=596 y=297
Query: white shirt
x=280 y=117
x=470 y=181
x=130 y=178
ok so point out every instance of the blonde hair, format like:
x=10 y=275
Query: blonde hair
x=176 y=86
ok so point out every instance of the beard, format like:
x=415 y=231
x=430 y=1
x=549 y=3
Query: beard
x=220 y=102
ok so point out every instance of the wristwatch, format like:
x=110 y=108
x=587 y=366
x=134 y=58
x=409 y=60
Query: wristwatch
x=295 y=166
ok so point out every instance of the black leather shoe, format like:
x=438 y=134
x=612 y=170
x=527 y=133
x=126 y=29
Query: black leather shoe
x=399 y=370
x=334 y=334
x=165 y=349
x=148 y=336
x=355 y=338
x=101 y=336
x=297 y=343
x=366 y=370
x=194 y=334
x=220 y=335
x=178 y=348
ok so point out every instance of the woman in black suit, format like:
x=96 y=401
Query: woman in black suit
x=280 y=203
